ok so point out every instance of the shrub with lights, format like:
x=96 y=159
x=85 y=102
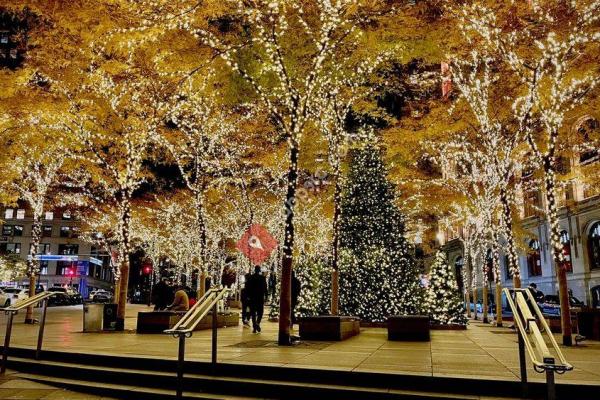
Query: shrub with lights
x=443 y=299
x=378 y=276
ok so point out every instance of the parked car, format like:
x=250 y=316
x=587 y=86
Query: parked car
x=100 y=296
x=551 y=304
x=73 y=296
x=10 y=296
x=59 y=299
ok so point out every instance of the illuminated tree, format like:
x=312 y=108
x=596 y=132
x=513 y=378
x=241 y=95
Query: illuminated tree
x=442 y=298
x=378 y=276
x=544 y=45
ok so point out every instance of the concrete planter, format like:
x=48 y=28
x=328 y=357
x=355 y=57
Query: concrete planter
x=411 y=328
x=329 y=327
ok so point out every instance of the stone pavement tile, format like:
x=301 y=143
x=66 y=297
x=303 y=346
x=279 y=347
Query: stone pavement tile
x=68 y=395
x=276 y=358
x=33 y=394
x=407 y=345
x=395 y=369
x=459 y=351
x=343 y=360
x=5 y=393
x=24 y=384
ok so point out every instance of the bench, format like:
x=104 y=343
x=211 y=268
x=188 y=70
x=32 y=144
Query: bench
x=411 y=328
x=157 y=321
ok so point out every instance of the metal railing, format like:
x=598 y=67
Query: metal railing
x=186 y=325
x=13 y=310
x=531 y=338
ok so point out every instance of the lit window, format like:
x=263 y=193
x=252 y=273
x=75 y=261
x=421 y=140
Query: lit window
x=534 y=261
x=18 y=230
x=9 y=213
x=20 y=213
x=4 y=37
x=49 y=216
x=66 y=215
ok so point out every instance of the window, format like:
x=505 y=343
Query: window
x=49 y=216
x=4 y=37
x=69 y=232
x=9 y=213
x=63 y=267
x=12 y=230
x=47 y=231
x=566 y=251
x=534 y=262
x=20 y=213
x=10 y=248
x=66 y=215
x=44 y=248
x=68 y=249
x=594 y=246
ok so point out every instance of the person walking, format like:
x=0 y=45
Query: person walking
x=296 y=288
x=256 y=286
x=246 y=315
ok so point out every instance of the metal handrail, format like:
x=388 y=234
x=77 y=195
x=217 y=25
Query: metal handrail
x=184 y=328
x=532 y=340
x=13 y=310
x=192 y=318
x=21 y=304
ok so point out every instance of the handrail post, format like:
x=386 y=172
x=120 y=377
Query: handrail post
x=180 y=365
x=551 y=394
x=523 y=366
x=9 y=324
x=38 y=352
x=214 y=334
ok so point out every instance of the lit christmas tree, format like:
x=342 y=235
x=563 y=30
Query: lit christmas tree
x=378 y=275
x=314 y=274
x=443 y=298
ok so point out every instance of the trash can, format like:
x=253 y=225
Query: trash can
x=109 y=320
x=99 y=317
x=92 y=317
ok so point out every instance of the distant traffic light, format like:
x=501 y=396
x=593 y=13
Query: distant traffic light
x=147 y=270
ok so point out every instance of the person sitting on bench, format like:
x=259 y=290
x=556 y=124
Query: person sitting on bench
x=181 y=301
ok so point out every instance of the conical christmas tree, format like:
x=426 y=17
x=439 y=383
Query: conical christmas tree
x=443 y=297
x=378 y=276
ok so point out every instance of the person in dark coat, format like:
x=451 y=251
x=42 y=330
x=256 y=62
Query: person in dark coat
x=245 y=301
x=161 y=295
x=296 y=288
x=256 y=286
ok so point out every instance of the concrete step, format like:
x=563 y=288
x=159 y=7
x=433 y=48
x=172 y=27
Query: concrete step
x=159 y=384
x=158 y=378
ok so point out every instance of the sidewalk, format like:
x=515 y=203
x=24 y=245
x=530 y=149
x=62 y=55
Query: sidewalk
x=480 y=351
x=13 y=387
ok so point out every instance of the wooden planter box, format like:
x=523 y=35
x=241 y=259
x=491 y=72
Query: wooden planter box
x=157 y=321
x=412 y=328
x=329 y=327
x=223 y=320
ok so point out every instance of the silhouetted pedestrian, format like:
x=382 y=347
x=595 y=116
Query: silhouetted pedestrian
x=256 y=286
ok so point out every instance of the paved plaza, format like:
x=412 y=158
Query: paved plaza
x=480 y=351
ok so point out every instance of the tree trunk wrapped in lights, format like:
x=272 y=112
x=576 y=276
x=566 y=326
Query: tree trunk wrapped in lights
x=544 y=49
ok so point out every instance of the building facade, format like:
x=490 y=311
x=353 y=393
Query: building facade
x=579 y=214
x=65 y=260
